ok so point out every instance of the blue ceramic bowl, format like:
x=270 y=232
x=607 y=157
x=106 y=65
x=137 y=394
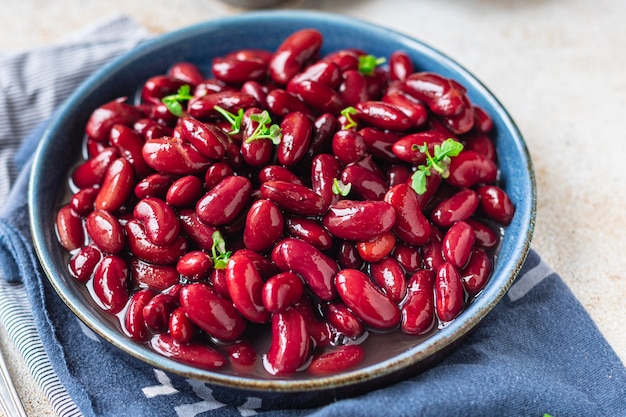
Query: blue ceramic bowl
x=387 y=360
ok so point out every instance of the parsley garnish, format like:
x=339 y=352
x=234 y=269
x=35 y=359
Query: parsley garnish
x=368 y=63
x=233 y=119
x=173 y=101
x=348 y=112
x=218 y=251
x=339 y=188
x=440 y=162
x=265 y=130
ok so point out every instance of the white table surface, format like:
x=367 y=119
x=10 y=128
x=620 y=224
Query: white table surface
x=558 y=66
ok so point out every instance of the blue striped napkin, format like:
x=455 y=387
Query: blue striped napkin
x=537 y=353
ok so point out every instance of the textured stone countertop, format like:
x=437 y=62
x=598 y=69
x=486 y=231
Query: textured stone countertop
x=556 y=65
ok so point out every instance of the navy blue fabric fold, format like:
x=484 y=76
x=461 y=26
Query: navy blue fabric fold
x=537 y=352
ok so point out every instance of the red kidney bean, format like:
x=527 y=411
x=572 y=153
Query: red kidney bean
x=93 y=147
x=325 y=72
x=449 y=295
x=457 y=244
x=180 y=327
x=195 y=265
x=343 y=320
x=110 y=283
x=436 y=91
x=348 y=146
x=480 y=143
x=154 y=185
x=496 y=204
x=431 y=250
x=359 y=220
x=171 y=156
x=264 y=226
x=366 y=184
x=218 y=279
x=376 y=83
x=224 y=202
x=398 y=174
x=82 y=201
x=237 y=71
x=256 y=90
x=281 y=103
x=290 y=343
x=278 y=173
x=245 y=287
x=433 y=183
x=262 y=263
x=199 y=233
x=290 y=57
x=460 y=206
x=319 y=330
x=297 y=130
x=410 y=225
x=482 y=120
x=470 y=168
x=129 y=144
x=250 y=53
x=212 y=313
x=348 y=255
x=282 y=291
x=345 y=59
x=255 y=152
x=146 y=250
x=203 y=107
x=476 y=272
x=159 y=86
x=91 y=172
x=69 y=228
x=316 y=268
x=194 y=354
x=105 y=231
x=462 y=122
x=324 y=127
x=353 y=89
x=187 y=72
x=184 y=192
x=370 y=304
x=114 y=112
x=294 y=198
x=117 y=186
x=400 y=66
x=416 y=111
x=418 y=311
x=309 y=230
x=153 y=276
x=242 y=355
x=83 y=263
x=157 y=311
x=208 y=139
x=380 y=143
x=375 y=249
x=134 y=324
x=318 y=96
x=216 y=173
x=324 y=169
x=382 y=115
x=389 y=276
x=408 y=256
x=486 y=236
x=404 y=148
x=159 y=220
x=337 y=360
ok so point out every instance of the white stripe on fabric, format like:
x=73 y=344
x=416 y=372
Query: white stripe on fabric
x=21 y=329
x=529 y=280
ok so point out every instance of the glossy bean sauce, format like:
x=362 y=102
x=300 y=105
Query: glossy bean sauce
x=261 y=217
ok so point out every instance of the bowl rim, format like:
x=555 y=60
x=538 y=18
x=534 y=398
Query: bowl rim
x=424 y=350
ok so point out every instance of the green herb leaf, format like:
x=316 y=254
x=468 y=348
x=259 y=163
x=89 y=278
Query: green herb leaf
x=339 y=188
x=233 y=119
x=265 y=130
x=218 y=251
x=368 y=63
x=440 y=162
x=348 y=112
x=173 y=101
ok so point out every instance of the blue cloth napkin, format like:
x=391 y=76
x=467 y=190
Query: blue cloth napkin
x=538 y=352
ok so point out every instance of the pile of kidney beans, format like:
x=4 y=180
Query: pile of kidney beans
x=316 y=270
